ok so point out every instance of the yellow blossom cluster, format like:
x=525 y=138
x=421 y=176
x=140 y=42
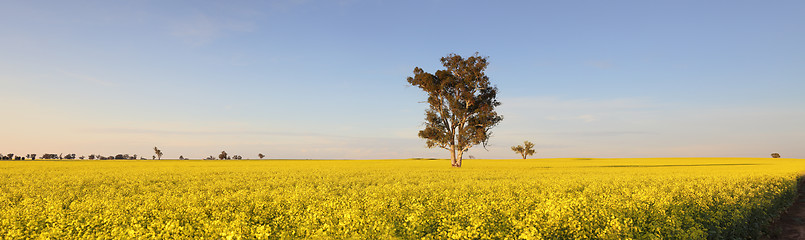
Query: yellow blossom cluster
x=685 y=198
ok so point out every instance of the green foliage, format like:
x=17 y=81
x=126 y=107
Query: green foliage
x=461 y=102
x=525 y=150
x=158 y=153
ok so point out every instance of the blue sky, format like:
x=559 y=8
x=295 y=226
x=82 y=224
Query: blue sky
x=326 y=79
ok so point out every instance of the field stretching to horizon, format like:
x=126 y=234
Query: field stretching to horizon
x=655 y=198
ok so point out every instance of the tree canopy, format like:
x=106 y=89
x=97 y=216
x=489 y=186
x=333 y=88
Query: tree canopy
x=524 y=150
x=158 y=153
x=462 y=105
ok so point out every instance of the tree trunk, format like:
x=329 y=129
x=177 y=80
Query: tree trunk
x=460 y=157
x=453 y=156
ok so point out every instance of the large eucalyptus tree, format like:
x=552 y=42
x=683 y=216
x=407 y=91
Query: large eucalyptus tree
x=462 y=105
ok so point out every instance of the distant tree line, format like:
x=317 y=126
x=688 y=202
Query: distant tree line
x=69 y=156
x=225 y=156
x=72 y=156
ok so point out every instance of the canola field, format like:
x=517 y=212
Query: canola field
x=685 y=198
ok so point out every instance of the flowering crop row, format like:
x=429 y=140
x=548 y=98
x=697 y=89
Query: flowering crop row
x=707 y=198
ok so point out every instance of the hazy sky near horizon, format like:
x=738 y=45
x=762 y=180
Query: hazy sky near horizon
x=327 y=79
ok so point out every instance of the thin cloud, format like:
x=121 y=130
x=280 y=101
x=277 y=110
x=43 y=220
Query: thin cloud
x=88 y=79
x=278 y=144
x=602 y=64
x=235 y=133
x=202 y=132
x=601 y=133
x=286 y=5
x=202 y=29
x=584 y=118
x=552 y=103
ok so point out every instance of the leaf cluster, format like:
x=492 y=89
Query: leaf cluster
x=158 y=152
x=462 y=103
x=525 y=150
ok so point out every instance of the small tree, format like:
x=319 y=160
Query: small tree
x=223 y=155
x=775 y=155
x=260 y=155
x=158 y=153
x=462 y=105
x=525 y=150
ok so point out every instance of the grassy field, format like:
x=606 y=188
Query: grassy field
x=687 y=198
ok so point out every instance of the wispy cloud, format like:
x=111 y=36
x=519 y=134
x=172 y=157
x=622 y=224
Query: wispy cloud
x=205 y=132
x=88 y=79
x=528 y=109
x=585 y=118
x=285 y=5
x=554 y=103
x=600 y=133
x=280 y=144
x=201 y=29
x=601 y=64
